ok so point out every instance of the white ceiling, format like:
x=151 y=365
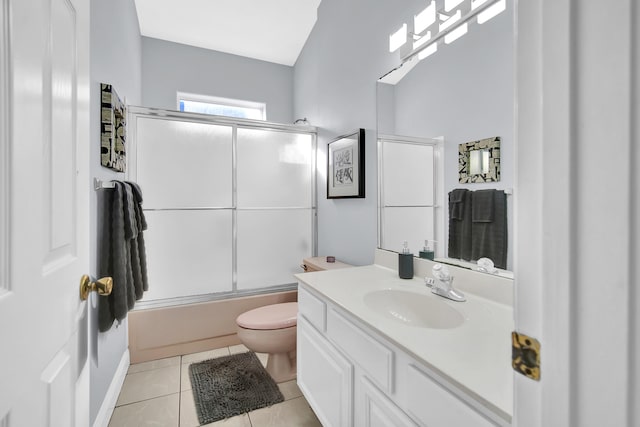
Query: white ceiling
x=269 y=30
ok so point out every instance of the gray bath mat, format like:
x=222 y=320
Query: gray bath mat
x=231 y=385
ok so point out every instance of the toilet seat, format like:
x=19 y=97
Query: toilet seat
x=269 y=317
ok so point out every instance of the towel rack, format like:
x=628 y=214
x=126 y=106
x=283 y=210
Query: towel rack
x=98 y=184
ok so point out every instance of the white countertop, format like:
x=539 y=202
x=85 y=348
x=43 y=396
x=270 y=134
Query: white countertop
x=475 y=356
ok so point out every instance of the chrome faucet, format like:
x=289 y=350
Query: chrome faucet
x=442 y=286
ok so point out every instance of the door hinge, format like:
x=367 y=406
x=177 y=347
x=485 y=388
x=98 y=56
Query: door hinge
x=525 y=355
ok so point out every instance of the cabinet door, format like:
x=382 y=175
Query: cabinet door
x=433 y=405
x=325 y=378
x=379 y=410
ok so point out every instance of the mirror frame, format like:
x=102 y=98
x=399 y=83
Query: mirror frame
x=464 y=161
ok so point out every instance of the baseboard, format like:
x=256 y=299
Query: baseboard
x=110 y=399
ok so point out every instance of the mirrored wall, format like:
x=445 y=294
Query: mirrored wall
x=463 y=92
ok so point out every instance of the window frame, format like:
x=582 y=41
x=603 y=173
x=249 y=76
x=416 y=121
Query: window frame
x=218 y=100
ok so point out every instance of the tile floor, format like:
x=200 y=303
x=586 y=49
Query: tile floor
x=158 y=393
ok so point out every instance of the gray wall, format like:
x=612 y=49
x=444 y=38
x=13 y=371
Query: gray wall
x=115 y=58
x=171 y=67
x=335 y=88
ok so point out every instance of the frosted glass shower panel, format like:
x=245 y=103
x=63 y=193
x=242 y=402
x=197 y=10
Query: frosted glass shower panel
x=271 y=246
x=184 y=164
x=413 y=224
x=408 y=174
x=188 y=253
x=274 y=169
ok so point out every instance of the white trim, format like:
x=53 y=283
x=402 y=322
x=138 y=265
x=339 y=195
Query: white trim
x=5 y=152
x=218 y=100
x=110 y=399
x=439 y=212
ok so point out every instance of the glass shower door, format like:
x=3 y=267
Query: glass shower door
x=274 y=206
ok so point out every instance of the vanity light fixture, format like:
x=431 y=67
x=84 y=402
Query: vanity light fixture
x=428 y=51
x=451 y=4
x=476 y=3
x=492 y=11
x=449 y=22
x=450 y=27
x=455 y=34
x=425 y=19
x=421 y=40
x=397 y=39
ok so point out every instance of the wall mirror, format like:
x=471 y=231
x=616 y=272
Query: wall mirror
x=460 y=94
x=479 y=161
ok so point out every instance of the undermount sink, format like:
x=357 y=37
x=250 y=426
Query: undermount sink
x=414 y=309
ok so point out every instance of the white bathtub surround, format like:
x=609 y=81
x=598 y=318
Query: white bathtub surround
x=467 y=368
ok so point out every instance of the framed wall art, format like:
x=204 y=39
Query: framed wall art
x=113 y=130
x=345 y=166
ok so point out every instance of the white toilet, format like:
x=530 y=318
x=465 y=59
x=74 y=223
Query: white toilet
x=272 y=329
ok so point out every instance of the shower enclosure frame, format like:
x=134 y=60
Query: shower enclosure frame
x=135 y=112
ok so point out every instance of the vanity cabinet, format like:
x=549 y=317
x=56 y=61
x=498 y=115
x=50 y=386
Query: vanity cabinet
x=353 y=376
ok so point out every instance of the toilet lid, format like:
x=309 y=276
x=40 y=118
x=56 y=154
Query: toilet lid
x=275 y=316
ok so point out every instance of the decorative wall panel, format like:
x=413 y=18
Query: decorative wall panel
x=113 y=130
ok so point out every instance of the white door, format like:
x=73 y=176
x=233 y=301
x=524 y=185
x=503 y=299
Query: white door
x=44 y=212
x=578 y=227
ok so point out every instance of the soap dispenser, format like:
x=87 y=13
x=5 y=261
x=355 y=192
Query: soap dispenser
x=405 y=263
x=427 y=252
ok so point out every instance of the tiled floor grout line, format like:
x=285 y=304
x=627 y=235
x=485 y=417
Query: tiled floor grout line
x=144 y=400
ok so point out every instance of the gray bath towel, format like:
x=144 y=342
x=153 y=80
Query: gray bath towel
x=489 y=239
x=456 y=203
x=140 y=277
x=482 y=205
x=121 y=255
x=459 y=224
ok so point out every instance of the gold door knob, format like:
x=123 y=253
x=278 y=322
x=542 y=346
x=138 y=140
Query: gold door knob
x=102 y=286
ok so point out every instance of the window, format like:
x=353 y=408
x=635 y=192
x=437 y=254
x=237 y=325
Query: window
x=204 y=104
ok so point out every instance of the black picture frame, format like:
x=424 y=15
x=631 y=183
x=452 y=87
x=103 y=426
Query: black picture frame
x=345 y=166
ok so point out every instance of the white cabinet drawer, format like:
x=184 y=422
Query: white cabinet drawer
x=434 y=405
x=312 y=308
x=375 y=359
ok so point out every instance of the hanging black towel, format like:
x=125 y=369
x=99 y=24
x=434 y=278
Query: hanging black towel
x=141 y=281
x=459 y=224
x=456 y=203
x=483 y=206
x=489 y=237
x=122 y=253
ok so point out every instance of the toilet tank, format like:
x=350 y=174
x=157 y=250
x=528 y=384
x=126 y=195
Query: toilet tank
x=319 y=263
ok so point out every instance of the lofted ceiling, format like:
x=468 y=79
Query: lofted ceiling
x=269 y=30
